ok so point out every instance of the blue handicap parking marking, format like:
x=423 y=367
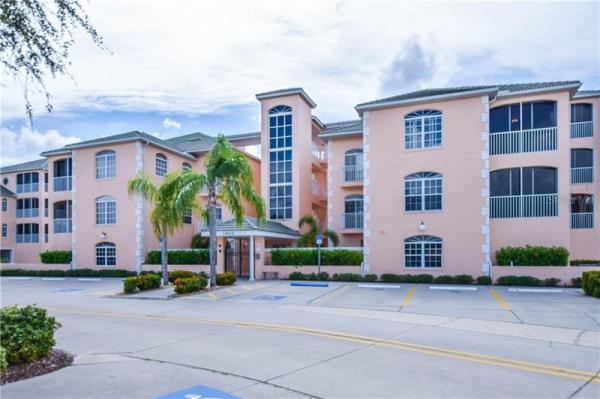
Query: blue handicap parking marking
x=198 y=392
x=309 y=284
x=269 y=298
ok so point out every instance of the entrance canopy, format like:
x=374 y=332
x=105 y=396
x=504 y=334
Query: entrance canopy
x=251 y=227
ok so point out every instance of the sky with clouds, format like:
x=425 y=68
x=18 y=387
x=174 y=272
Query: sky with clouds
x=176 y=67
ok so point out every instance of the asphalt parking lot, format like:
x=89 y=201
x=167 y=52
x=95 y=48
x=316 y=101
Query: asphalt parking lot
x=270 y=339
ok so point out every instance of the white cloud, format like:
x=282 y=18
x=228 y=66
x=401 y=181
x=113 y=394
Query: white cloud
x=26 y=144
x=170 y=123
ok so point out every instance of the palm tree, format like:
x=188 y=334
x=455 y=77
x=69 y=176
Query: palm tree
x=167 y=215
x=308 y=239
x=228 y=175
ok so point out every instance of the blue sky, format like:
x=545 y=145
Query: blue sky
x=176 y=67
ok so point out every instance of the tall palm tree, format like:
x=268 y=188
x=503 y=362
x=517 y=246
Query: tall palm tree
x=167 y=215
x=308 y=239
x=228 y=175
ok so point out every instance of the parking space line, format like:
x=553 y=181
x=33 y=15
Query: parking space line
x=232 y=292
x=337 y=290
x=245 y=288
x=500 y=300
x=212 y=296
x=407 y=297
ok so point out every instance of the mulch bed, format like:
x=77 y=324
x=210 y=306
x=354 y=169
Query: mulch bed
x=56 y=360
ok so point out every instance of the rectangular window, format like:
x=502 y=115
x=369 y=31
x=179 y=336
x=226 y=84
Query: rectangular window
x=187 y=217
x=423 y=193
x=422 y=253
x=27 y=207
x=423 y=129
x=27 y=233
x=4 y=205
x=161 y=165
x=28 y=182
x=581 y=113
x=106 y=211
x=280 y=165
x=4 y=230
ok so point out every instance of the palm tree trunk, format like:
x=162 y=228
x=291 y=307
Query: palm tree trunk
x=164 y=259
x=212 y=231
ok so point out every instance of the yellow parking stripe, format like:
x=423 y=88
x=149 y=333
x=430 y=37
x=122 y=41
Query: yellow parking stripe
x=246 y=288
x=212 y=296
x=232 y=292
x=500 y=300
x=408 y=296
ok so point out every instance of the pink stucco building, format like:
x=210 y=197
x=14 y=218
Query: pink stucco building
x=430 y=181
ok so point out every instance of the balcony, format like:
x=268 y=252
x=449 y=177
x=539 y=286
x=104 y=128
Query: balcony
x=63 y=226
x=524 y=206
x=62 y=183
x=352 y=173
x=27 y=238
x=28 y=188
x=28 y=213
x=582 y=129
x=352 y=221
x=316 y=189
x=532 y=140
x=583 y=220
x=318 y=152
x=582 y=175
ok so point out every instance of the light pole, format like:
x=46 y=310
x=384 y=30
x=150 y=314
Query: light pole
x=319 y=240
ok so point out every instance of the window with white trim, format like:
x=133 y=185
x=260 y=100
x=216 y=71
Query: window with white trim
x=186 y=167
x=4 y=205
x=106 y=210
x=423 y=129
x=28 y=233
x=423 y=192
x=28 y=182
x=280 y=162
x=106 y=254
x=4 y=230
x=187 y=216
x=161 y=165
x=105 y=164
x=423 y=251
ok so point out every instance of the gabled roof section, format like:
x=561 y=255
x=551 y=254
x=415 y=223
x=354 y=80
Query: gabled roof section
x=587 y=93
x=343 y=128
x=287 y=92
x=251 y=224
x=201 y=142
x=25 y=166
x=5 y=192
x=527 y=88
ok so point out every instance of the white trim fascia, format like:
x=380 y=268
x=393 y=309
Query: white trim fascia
x=248 y=233
x=334 y=135
x=507 y=94
x=577 y=96
x=287 y=92
x=317 y=122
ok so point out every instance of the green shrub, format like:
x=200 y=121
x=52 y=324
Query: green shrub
x=114 y=273
x=142 y=282
x=444 y=279
x=518 y=280
x=180 y=257
x=323 y=276
x=67 y=273
x=532 y=256
x=130 y=285
x=484 y=280
x=576 y=282
x=56 y=257
x=370 y=277
x=85 y=272
x=389 y=278
x=582 y=262
x=330 y=257
x=189 y=284
x=590 y=282
x=175 y=274
x=422 y=278
x=551 y=282
x=296 y=276
x=18 y=272
x=227 y=278
x=463 y=279
x=199 y=242
x=351 y=277
x=26 y=333
x=3 y=361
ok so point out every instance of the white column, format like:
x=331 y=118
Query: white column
x=251 y=258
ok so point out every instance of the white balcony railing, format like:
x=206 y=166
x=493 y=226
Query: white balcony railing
x=62 y=183
x=28 y=187
x=27 y=238
x=582 y=129
x=532 y=140
x=584 y=220
x=352 y=173
x=63 y=226
x=352 y=220
x=524 y=206
x=318 y=151
x=582 y=175
x=28 y=213
x=316 y=189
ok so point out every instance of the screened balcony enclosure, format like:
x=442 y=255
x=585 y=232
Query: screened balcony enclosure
x=582 y=165
x=582 y=211
x=582 y=124
x=62 y=175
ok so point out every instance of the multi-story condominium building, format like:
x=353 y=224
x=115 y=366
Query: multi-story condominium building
x=434 y=180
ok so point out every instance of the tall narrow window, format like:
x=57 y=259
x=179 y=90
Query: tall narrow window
x=105 y=165
x=423 y=251
x=186 y=167
x=353 y=165
x=106 y=254
x=63 y=174
x=423 y=192
x=62 y=217
x=353 y=212
x=280 y=162
x=423 y=129
x=106 y=210
x=4 y=230
x=4 y=205
x=161 y=165
x=187 y=216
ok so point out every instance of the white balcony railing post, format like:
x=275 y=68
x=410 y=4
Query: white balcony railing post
x=524 y=206
x=582 y=175
x=582 y=129
x=352 y=173
x=63 y=225
x=352 y=220
x=62 y=183
x=530 y=140
x=582 y=220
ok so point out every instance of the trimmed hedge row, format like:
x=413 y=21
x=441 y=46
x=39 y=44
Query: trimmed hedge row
x=179 y=257
x=227 y=278
x=67 y=273
x=582 y=262
x=303 y=257
x=324 y=276
x=532 y=256
x=189 y=284
x=590 y=282
x=527 y=281
x=54 y=257
x=141 y=283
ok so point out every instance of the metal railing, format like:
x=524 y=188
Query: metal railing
x=582 y=175
x=524 y=206
x=28 y=213
x=63 y=226
x=352 y=173
x=352 y=220
x=62 y=183
x=531 y=140
x=582 y=129
x=27 y=238
x=318 y=151
x=583 y=220
x=28 y=187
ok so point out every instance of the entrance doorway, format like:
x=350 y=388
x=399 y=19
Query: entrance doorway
x=237 y=256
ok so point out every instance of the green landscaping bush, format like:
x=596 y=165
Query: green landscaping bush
x=590 y=282
x=227 y=278
x=484 y=280
x=3 y=361
x=130 y=285
x=56 y=257
x=389 y=278
x=141 y=283
x=351 y=277
x=26 y=333
x=422 y=278
x=576 y=282
x=444 y=279
x=532 y=256
x=199 y=242
x=18 y=273
x=330 y=257
x=370 y=277
x=463 y=279
x=190 y=284
x=180 y=257
x=296 y=276
x=86 y=272
x=551 y=282
x=585 y=262
x=175 y=274
x=518 y=280
x=323 y=276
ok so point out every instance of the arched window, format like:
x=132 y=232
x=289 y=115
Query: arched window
x=105 y=164
x=423 y=251
x=4 y=205
x=186 y=166
x=161 y=165
x=106 y=254
x=106 y=210
x=4 y=230
x=353 y=165
x=423 y=192
x=423 y=129
x=353 y=212
x=280 y=162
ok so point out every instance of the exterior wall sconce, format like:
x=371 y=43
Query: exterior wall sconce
x=102 y=235
x=422 y=226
